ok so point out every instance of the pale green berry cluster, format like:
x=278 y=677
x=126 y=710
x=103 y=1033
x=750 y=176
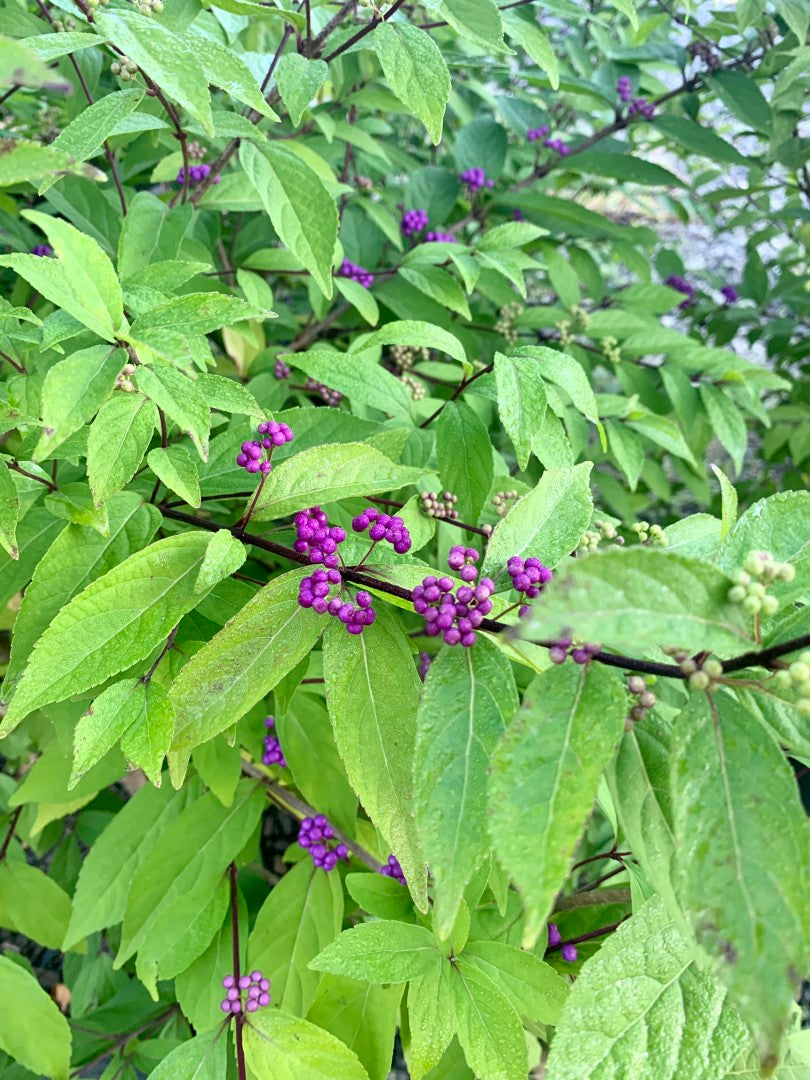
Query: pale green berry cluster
x=416 y=386
x=506 y=323
x=63 y=26
x=650 y=534
x=611 y=350
x=403 y=357
x=439 y=504
x=124 y=68
x=645 y=700
x=195 y=150
x=502 y=501
x=93 y=4
x=703 y=676
x=149 y=7
x=123 y=380
x=797 y=677
x=602 y=530
x=759 y=570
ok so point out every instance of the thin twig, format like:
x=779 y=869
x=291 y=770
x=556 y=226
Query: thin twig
x=32 y=476
x=17 y=366
x=240 y=1018
x=12 y=828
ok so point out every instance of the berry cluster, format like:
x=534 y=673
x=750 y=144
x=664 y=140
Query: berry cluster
x=281 y=370
x=315 y=835
x=567 y=952
x=196 y=174
x=558 y=146
x=475 y=179
x=273 y=754
x=611 y=349
x=149 y=7
x=356 y=273
x=650 y=534
x=681 y=285
x=455 y=615
x=529 y=576
x=251 y=455
x=602 y=530
x=403 y=356
x=641 y=107
x=316 y=538
x=506 y=324
x=535 y=134
x=42 y=250
x=330 y=396
x=314 y=592
x=364 y=183
x=701 y=676
x=702 y=50
x=440 y=238
x=759 y=570
x=502 y=501
x=383 y=527
x=564 y=647
x=416 y=387
x=645 y=699
x=441 y=506
x=393 y=870
x=255 y=988
x=729 y=294
x=797 y=676
x=624 y=88
x=195 y=150
x=413 y=222
x=123 y=380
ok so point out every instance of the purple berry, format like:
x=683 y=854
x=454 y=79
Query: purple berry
x=569 y=953
x=554 y=935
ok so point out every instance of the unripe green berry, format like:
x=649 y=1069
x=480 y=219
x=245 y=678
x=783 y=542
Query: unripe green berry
x=737 y=593
x=756 y=588
x=803 y=705
x=699 y=680
x=770 y=605
x=753 y=564
x=688 y=666
x=804 y=690
x=713 y=668
x=787 y=572
x=741 y=578
x=753 y=605
x=783 y=680
x=804 y=657
x=799 y=672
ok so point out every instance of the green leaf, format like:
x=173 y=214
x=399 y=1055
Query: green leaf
x=416 y=72
x=33 y=904
x=73 y=391
x=641 y=595
x=178 y=397
x=642 y=1008
x=533 y=987
x=468 y=700
x=115 y=710
x=299 y=80
x=107 y=872
x=417 y=334
x=20 y=65
x=195 y=313
x=23 y=161
x=166 y=58
x=223 y=557
x=113 y=623
x=282 y=1047
x=192 y=854
x=624 y=167
x=521 y=401
x=32 y=1029
x=545 y=774
x=224 y=68
x=627 y=450
x=202 y=1058
x=9 y=511
x=244 y=661
x=35 y=533
x=548 y=522
x=119 y=438
x=325 y=474
x=727 y=422
x=301 y=916
x=74 y=560
x=360 y=298
x=439 y=286
x=741 y=873
x=464 y=456
x=85 y=135
x=530 y=37
x=699 y=140
x=358 y=377
x=487 y=1026
x=729 y=497
x=303 y=213
x=147 y=740
x=227 y=395
x=372 y=690
x=431 y=1018
x=663 y=432
x=362 y=1016
x=567 y=373
x=779 y=524
x=176 y=468
x=744 y=98
x=74 y=503
x=478 y=21
x=382 y=951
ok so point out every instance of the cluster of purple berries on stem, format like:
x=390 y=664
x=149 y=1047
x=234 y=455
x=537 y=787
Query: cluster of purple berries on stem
x=42 y=250
x=455 y=614
x=414 y=222
x=252 y=453
x=475 y=179
x=281 y=370
x=681 y=285
x=314 y=593
x=393 y=870
x=196 y=174
x=624 y=88
x=383 y=527
x=558 y=146
x=315 y=835
x=440 y=238
x=330 y=396
x=536 y=134
x=357 y=273
x=729 y=294
x=273 y=754
x=568 y=952
x=316 y=538
x=580 y=654
x=641 y=107
x=254 y=988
